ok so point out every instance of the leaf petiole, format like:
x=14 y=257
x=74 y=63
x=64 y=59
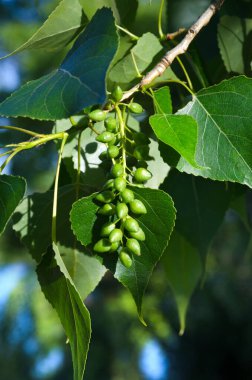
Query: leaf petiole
x=12 y=128
x=56 y=186
x=126 y=31
x=160 y=30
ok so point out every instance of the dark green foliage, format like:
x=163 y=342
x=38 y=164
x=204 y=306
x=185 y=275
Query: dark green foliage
x=155 y=137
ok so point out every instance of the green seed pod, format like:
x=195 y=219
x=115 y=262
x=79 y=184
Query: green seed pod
x=115 y=246
x=125 y=258
x=142 y=175
x=109 y=185
x=137 y=207
x=105 y=137
x=142 y=164
x=102 y=245
x=117 y=170
x=127 y=195
x=115 y=236
x=103 y=156
x=111 y=124
x=131 y=225
x=107 y=209
x=135 y=107
x=141 y=152
x=120 y=184
x=139 y=235
x=113 y=151
x=117 y=93
x=97 y=115
x=107 y=228
x=140 y=138
x=113 y=141
x=106 y=196
x=134 y=246
x=121 y=210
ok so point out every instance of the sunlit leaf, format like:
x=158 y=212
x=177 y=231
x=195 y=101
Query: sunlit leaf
x=85 y=271
x=157 y=225
x=224 y=116
x=137 y=60
x=177 y=131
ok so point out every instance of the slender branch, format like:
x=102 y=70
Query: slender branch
x=171 y=36
x=181 y=48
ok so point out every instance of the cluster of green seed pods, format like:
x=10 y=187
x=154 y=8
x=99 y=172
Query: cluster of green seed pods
x=117 y=201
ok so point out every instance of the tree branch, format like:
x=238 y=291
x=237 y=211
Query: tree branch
x=181 y=48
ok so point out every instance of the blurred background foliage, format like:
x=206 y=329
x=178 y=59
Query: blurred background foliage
x=217 y=343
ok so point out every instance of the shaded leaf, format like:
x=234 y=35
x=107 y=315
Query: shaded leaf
x=200 y=205
x=224 y=116
x=33 y=220
x=60 y=291
x=183 y=266
x=58 y=30
x=124 y=15
x=12 y=190
x=232 y=34
x=90 y=8
x=77 y=83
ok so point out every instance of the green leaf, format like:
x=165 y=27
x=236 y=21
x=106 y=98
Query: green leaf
x=124 y=15
x=162 y=100
x=84 y=209
x=60 y=291
x=199 y=200
x=224 y=116
x=157 y=224
x=91 y=7
x=33 y=220
x=177 y=131
x=233 y=33
x=77 y=83
x=139 y=58
x=127 y=13
x=85 y=271
x=63 y=24
x=183 y=266
x=12 y=190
